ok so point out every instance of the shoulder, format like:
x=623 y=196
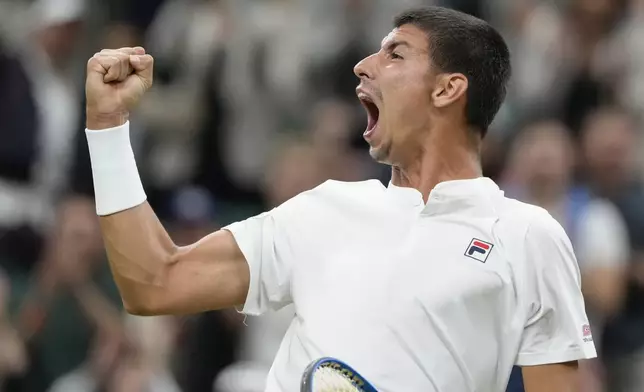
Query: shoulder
x=541 y=250
x=534 y=236
x=542 y=241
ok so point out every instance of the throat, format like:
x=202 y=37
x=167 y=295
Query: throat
x=424 y=174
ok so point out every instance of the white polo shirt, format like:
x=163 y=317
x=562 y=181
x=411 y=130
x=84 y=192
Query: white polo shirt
x=446 y=296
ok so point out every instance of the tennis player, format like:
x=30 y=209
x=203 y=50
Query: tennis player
x=436 y=282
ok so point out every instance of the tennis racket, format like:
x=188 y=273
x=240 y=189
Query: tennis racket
x=332 y=375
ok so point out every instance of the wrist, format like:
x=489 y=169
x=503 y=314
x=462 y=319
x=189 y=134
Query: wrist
x=97 y=121
x=117 y=185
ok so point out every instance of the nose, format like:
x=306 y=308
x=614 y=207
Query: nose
x=364 y=69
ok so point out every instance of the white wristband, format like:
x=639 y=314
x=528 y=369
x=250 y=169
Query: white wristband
x=117 y=185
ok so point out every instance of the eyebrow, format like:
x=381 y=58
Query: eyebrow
x=391 y=46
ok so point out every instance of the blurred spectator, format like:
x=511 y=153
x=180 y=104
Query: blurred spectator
x=39 y=111
x=185 y=38
x=152 y=340
x=13 y=355
x=37 y=120
x=619 y=62
x=107 y=350
x=67 y=299
x=610 y=139
x=137 y=363
x=210 y=116
x=554 y=46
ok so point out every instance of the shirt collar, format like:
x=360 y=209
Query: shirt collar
x=451 y=195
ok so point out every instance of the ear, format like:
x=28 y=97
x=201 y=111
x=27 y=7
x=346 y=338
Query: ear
x=449 y=89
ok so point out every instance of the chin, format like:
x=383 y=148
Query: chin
x=380 y=154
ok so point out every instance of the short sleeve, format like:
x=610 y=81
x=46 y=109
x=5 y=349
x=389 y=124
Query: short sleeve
x=557 y=328
x=269 y=242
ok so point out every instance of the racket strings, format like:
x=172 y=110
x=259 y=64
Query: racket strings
x=331 y=380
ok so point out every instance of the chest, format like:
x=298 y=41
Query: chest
x=422 y=265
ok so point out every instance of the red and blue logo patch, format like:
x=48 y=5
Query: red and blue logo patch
x=479 y=250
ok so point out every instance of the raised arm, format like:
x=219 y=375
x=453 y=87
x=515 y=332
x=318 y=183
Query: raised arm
x=154 y=276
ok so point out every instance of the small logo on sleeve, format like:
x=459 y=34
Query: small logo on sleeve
x=587 y=333
x=479 y=250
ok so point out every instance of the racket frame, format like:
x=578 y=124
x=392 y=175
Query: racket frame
x=309 y=373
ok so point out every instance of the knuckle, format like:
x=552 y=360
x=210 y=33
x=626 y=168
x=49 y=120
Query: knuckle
x=105 y=61
x=93 y=62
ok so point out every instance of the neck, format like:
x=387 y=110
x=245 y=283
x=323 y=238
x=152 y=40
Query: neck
x=441 y=159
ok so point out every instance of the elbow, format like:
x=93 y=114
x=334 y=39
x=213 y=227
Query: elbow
x=143 y=308
x=145 y=301
x=146 y=296
x=137 y=309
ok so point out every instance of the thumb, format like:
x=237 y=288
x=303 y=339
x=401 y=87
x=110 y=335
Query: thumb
x=143 y=67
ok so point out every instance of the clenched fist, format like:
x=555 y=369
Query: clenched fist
x=116 y=81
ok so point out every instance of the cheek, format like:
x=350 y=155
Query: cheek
x=410 y=99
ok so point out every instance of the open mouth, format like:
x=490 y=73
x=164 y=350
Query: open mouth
x=373 y=114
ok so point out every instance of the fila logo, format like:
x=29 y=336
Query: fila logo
x=479 y=250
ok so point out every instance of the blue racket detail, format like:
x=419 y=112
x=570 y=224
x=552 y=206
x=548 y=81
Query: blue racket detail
x=333 y=375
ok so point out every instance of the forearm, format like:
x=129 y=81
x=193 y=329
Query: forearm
x=140 y=253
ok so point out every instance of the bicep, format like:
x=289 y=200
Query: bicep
x=558 y=377
x=210 y=274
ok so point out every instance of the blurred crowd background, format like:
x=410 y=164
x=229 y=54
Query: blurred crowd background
x=253 y=103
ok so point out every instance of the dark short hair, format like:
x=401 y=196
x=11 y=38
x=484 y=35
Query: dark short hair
x=462 y=43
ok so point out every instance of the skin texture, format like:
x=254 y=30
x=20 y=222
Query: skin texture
x=421 y=132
